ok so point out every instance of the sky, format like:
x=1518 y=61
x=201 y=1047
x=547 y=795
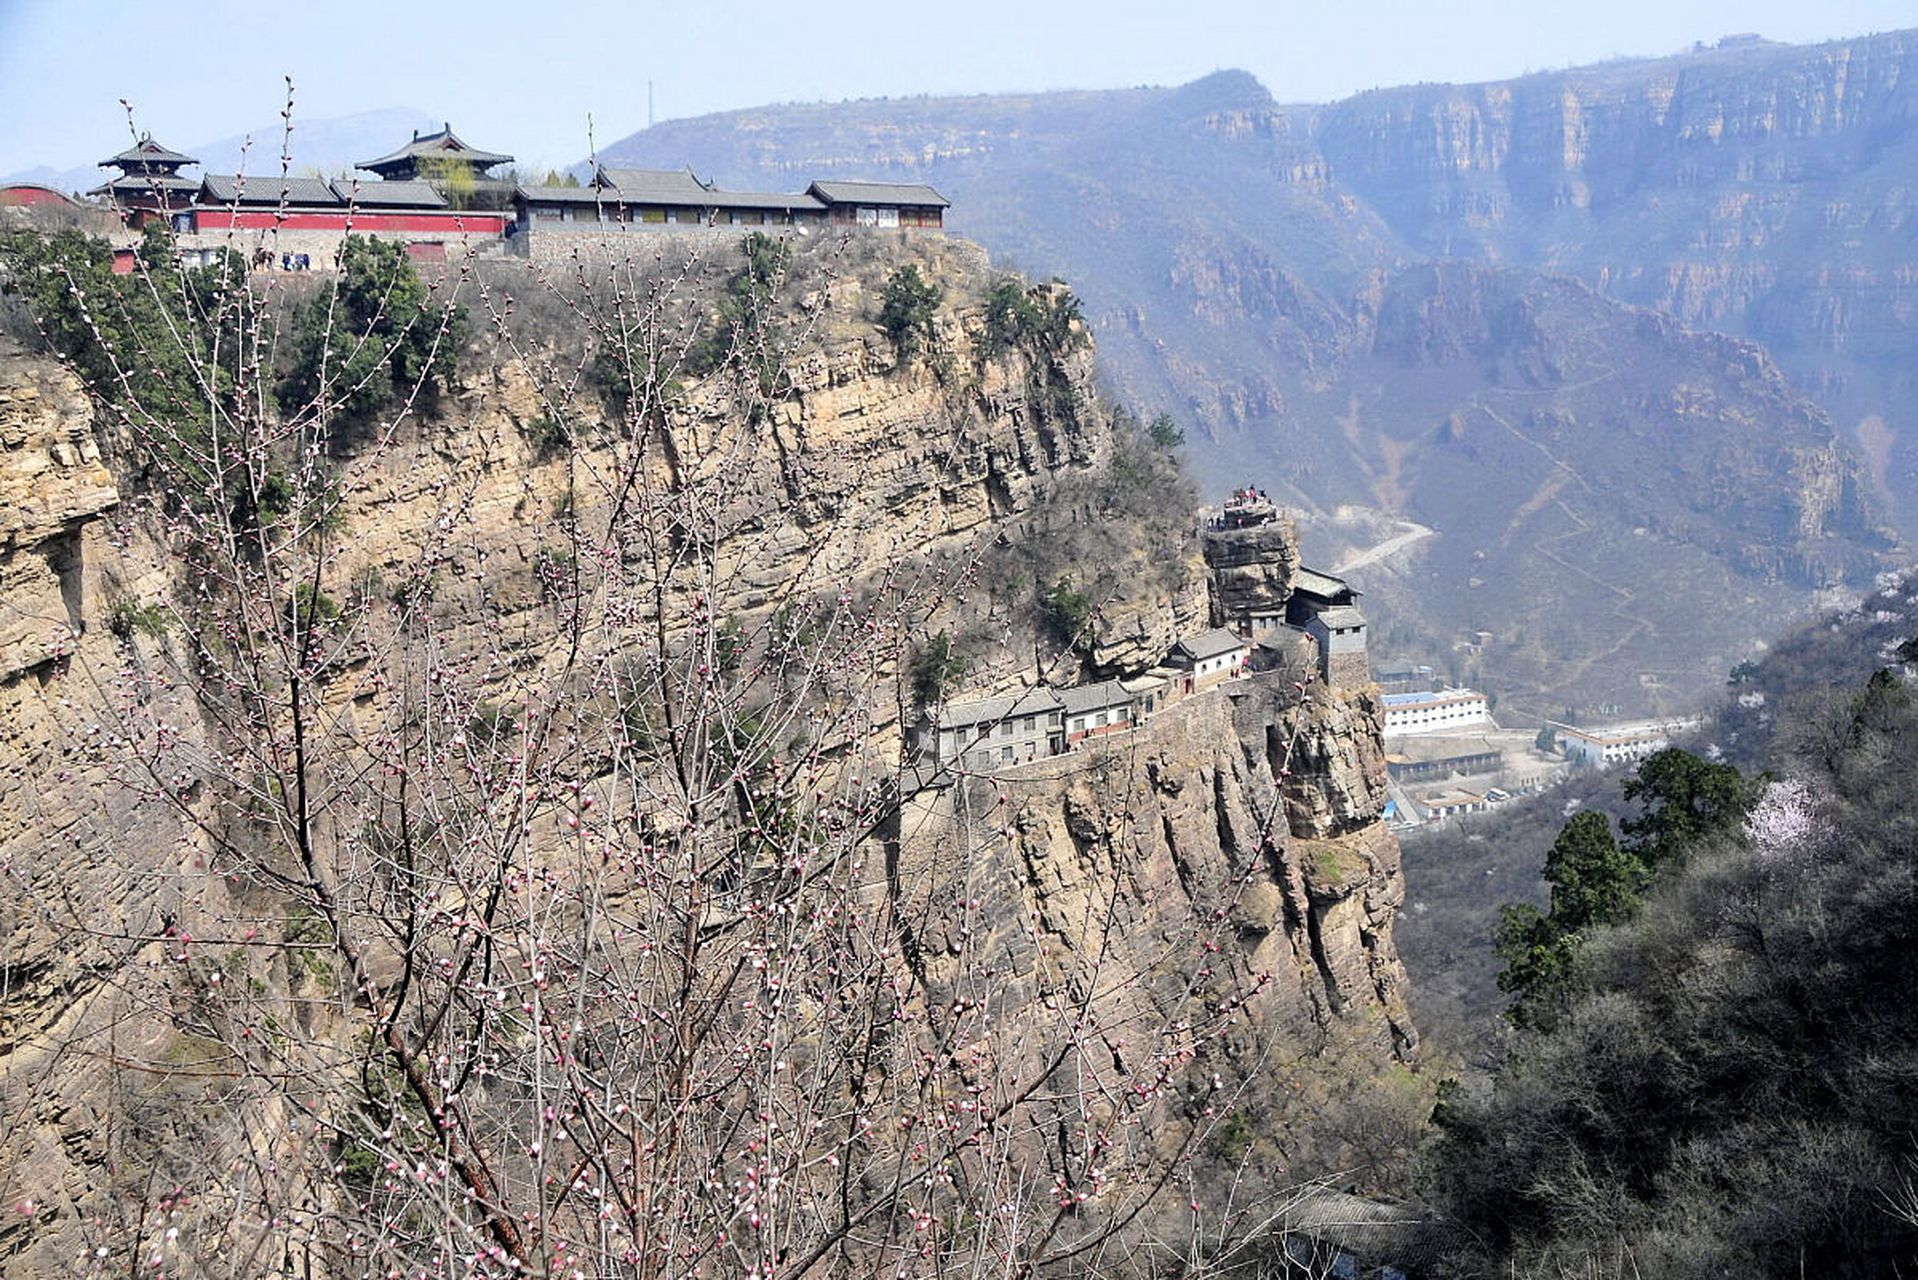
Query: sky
x=537 y=79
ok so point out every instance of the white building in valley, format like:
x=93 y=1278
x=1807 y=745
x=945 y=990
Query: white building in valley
x=1619 y=743
x=1428 y=711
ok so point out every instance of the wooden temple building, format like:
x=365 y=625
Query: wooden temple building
x=438 y=157
x=441 y=197
x=149 y=181
x=679 y=198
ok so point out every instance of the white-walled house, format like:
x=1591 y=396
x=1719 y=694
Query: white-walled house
x=1427 y=710
x=1207 y=658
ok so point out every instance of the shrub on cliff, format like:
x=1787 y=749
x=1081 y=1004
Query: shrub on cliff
x=158 y=345
x=1049 y=320
x=371 y=331
x=906 y=310
x=1011 y=314
x=937 y=667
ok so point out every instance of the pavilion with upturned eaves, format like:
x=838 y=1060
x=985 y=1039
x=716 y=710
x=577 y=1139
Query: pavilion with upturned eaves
x=149 y=180
x=435 y=157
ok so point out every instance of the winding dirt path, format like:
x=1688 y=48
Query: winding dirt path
x=1412 y=532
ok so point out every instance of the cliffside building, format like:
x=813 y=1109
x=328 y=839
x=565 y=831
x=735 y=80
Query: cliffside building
x=881 y=204
x=279 y=221
x=437 y=157
x=994 y=733
x=1325 y=607
x=1095 y=710
x=1208 y=658
x=289 y=222
x=660 y=199
x=991 y=733
x=656 y=198
x=438 y=195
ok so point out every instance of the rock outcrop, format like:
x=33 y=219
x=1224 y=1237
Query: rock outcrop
x=1256 y=804
x=1251 y=570
x=138 y=807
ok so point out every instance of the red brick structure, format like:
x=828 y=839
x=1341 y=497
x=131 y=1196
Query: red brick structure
x=22 y=194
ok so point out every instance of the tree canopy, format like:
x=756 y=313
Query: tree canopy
x=373 y=329
x=1716 y=1039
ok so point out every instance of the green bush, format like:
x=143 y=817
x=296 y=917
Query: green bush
x=310 y=608
x=373 y=329
x=125 y=618
x=1011 y=315
x=1722 y=1087
x=1165 y=433
x=1050 y=320
x=935 y=669
x=1067 y=611
x=907 y=309
x=158 y=345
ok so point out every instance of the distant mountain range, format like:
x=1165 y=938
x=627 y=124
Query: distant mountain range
x=329 y=146
x=1485 y=308
x=1492 y=309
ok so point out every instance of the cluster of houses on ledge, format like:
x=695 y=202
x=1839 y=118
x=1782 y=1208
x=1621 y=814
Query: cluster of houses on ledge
x=438 y=196
x=995 y=733
x=1319 y=628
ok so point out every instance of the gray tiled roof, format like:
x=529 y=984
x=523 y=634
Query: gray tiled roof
x=444 y=143
x=145 y=152
x=410 y=194
x=221 y=188
x=143 y=183
x=680 y=187
x=664 y=186
x=873 y=193
x=567 y=195
x=965 y=715
x=1342 y=615
x=715 y=199
x=1320 y=584
x=1094 y=697
x=1211 y=644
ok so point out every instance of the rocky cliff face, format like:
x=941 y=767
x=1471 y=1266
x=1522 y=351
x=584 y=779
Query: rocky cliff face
x=1757 y=188
x=1251 y=570
x=130 y=809
x=1256 y=803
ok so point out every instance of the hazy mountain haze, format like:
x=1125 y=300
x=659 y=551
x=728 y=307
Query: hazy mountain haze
x=528 y=83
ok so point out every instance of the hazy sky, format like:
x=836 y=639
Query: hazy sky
x=523 y=77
